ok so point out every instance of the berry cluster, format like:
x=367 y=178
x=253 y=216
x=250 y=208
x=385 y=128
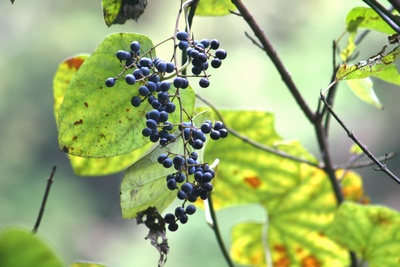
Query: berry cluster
x=200 y=53
x=191 y=178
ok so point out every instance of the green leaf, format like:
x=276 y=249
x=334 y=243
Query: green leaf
x=365 y=17
x=87 y=166
x=372 y=232
x=144 y=183
x=96 y=121
x=297 y=197
x=214 y=7
x=362 y=88
x=390 y=74
x=86 y=264
x=362 y=17
x=111 y=10
x=19 y=247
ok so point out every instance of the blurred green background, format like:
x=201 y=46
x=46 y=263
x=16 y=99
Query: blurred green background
x=82 y=218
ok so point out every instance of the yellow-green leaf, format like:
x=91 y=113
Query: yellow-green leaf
x=97 y=121
x=363 y=89
x=22 y=248
x=214 y=7
x=390 y=74
x=298 y=198
x=365 y=17
x=111 y=10
x=362 y=17
x=87 y=166
x=371 y=231
x=86 y=264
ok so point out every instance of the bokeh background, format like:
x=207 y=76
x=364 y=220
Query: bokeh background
x=82 y=218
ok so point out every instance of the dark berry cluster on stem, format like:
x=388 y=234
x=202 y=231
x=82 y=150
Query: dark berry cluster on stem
x=190 y=178
x=200 y=53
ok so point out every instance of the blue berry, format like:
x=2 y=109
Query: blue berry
x=179 y=211
x=138 y=74
x=161 y=66
x=215 y=135
x=205 y=42
x=154 y=137
x=152 y=124
x=135 y=46
x=194 y=54
x=173 y=227
x=145 y=71
x=223 y=132
x=151 y=86
x=155 y=104
x=130 y=79
x=204 y=82
x=170 y=67
x=183 y=45
x=181 y=195
x=190 y=209
x=205 y=128
x=167 y=163
x=169 y=218
x=187 y=187
x=197 y=144
x=146 y=132
x=221 y=54
x=144 y=91
x=123 y=55
x=178 y=82
x=136 y=101
x=168 y=127
x=110 y=82
x=207 y=177
x=218 y=125
x=202 y=57
x=214 y=44
x=165 y=86
x=161 y=158
x=194 y=155
x=216 y=63
x=180 y=177
x=153 y=114
x=208 y=187
x=171 y=184
x=146 y=62
x=181 y=36
x=183 y=219
x=170 y=107
x=196 y=71
x=163 y=116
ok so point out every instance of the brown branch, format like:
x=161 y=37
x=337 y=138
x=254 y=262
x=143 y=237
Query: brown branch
x=46 y=194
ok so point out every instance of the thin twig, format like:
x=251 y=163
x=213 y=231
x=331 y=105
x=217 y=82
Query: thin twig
x=269 y=49
x=382 y=167
x=214 y=226
x=46 y=194
x=255 y=143
x=363 y=164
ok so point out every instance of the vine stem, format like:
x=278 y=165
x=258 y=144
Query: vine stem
x=271 y=52
x=50 y=181
x=213 y=223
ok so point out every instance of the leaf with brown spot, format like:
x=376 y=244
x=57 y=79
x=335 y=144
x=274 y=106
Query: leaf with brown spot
x=101 y=135
x=370 y=231
x=298 y=199
x=87 y=166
